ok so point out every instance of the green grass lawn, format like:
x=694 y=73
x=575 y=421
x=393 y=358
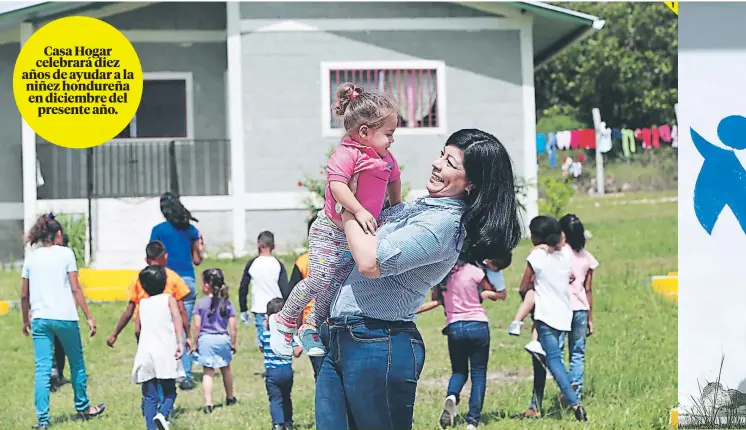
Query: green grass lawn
x=630 y=370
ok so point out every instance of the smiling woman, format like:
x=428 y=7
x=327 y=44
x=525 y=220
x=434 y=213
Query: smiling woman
x=470 y=210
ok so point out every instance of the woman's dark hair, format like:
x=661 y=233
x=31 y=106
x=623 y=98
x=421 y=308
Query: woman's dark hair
x=153 y=279
x=491 y=220
x=574 y=231
x=546 y=230
x=216 y=281
x=175 y=212
x=44 y=230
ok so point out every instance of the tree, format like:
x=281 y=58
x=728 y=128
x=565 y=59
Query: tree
x=628 y=69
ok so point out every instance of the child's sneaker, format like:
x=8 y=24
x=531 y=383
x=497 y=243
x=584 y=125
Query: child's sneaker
x=160 y=422
x=514 y=329
x=280 y=337
x=449 y=412
x=535 y=347
x=230 y=402
x=308 y=338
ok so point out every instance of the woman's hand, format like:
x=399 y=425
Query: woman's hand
x=91 y=327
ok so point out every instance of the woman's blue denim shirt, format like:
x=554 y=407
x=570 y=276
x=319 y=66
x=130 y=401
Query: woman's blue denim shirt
x=418 y=244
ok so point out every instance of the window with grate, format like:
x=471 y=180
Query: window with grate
x=415 y=90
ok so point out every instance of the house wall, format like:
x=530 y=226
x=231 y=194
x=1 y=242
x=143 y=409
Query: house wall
x=712 y=325
x=11 y=190
x=282 y=102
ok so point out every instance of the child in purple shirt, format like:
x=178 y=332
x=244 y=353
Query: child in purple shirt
x=215 y=328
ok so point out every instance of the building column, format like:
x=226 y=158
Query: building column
x=529 y=122
x=28 y=151
x=235 y=125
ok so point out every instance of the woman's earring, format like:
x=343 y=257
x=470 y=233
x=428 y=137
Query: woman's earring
x=468 y=191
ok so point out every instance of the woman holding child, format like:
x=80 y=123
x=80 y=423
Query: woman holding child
x=375 y=352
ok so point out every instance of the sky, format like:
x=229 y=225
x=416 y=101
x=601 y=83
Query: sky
x=7 y=6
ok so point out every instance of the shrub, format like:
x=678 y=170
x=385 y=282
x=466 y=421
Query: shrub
x=74 y=226
x=555 y=196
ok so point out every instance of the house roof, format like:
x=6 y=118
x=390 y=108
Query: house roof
x=554 y=30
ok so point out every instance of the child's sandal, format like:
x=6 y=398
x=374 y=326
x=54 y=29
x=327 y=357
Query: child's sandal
x=98 y=410
x=230 y=402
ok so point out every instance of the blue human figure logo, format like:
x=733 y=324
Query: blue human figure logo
x=722 y=179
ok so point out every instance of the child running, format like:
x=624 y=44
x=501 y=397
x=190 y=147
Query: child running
x=370 y=120
x=468 y=334
x=278 y=376
x=215 y=328
x=157 y=364
x=155 y=253
x=553 y=313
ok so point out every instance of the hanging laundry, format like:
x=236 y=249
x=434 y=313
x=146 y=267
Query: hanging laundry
x=646 y=136
x=552 y=149
x=616 y=134
x=541 y=143
x=656 y=137
x=587 y=138
x=575 y=139
x=563 y=140
x=604 y=144
x=581 y=158
x=628 y=142
x=665 y=132
x=675 y=136
x=638 y=134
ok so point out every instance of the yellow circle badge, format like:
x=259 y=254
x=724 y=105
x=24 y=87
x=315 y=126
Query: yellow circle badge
x=77 y=82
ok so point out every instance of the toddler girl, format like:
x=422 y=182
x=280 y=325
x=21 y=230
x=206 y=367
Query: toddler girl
x=215 y=327
x=553 y=313
x=157 y=364
x=370 y=120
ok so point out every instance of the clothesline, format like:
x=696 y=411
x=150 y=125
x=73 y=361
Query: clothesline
x=586 y=139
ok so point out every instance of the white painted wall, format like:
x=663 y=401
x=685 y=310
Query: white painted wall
x=712 y=290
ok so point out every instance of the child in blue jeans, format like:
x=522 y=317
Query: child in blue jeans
x=279 y=376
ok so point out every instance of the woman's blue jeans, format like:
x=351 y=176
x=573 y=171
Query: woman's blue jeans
x=43 y=332
x=469 y=343
x=368 y=378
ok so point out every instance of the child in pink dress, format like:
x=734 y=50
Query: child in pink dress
x=370 y=120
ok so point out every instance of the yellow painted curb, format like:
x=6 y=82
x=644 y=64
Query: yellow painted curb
x=4 y=307
x=667 y=286
x=106 y=285
x=674 y=418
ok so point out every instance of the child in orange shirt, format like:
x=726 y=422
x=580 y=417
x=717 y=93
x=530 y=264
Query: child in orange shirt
x=155 y=254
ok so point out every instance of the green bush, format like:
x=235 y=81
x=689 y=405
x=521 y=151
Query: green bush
x=555 y=196
x=74 y=227
x=552 y=121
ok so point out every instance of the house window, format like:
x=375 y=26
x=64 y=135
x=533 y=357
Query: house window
x=163 y=111
x=417 y=87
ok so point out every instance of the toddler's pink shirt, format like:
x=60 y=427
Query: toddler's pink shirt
x=376 y=173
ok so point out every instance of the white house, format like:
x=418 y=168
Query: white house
x=243 y=89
